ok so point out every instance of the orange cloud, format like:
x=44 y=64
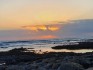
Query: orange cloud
x=53 y=28
x=42 y=27
x=32 y=28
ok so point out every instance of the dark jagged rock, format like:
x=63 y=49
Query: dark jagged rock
x=14 y=60
x=80 y=45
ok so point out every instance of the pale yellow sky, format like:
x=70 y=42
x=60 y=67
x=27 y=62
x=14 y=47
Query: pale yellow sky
x=17 y=13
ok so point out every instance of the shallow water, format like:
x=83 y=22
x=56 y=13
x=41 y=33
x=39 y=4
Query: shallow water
x=43 y=45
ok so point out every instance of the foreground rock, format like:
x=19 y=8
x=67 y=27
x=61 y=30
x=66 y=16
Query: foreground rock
x=90 y=68
x=19 y=60
x=70 y=66
x=48 y=66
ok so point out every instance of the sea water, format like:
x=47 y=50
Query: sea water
x=42 y=45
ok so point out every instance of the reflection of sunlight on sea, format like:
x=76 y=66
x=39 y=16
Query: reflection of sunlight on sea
x=47 y=48
x=39 y=46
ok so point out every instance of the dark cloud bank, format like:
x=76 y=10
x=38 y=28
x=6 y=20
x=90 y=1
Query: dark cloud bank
x=79 y=28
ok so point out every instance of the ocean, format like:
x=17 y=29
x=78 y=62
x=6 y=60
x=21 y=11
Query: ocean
x=41 y=45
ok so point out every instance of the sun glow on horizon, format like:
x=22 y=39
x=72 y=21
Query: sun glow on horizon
x=47 y=37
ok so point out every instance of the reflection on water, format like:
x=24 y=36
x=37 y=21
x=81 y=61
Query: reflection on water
x=41 y=45
x=46 y=48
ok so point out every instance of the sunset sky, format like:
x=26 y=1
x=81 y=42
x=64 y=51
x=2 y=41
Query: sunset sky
x=45 y=19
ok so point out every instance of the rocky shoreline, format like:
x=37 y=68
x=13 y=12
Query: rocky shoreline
x=17 y=59
x=77 y=45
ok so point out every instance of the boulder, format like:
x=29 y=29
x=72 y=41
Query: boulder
x=90 y=68
x=16 y=67
x=2 y=67
x=80 y=60
x=70 y=66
